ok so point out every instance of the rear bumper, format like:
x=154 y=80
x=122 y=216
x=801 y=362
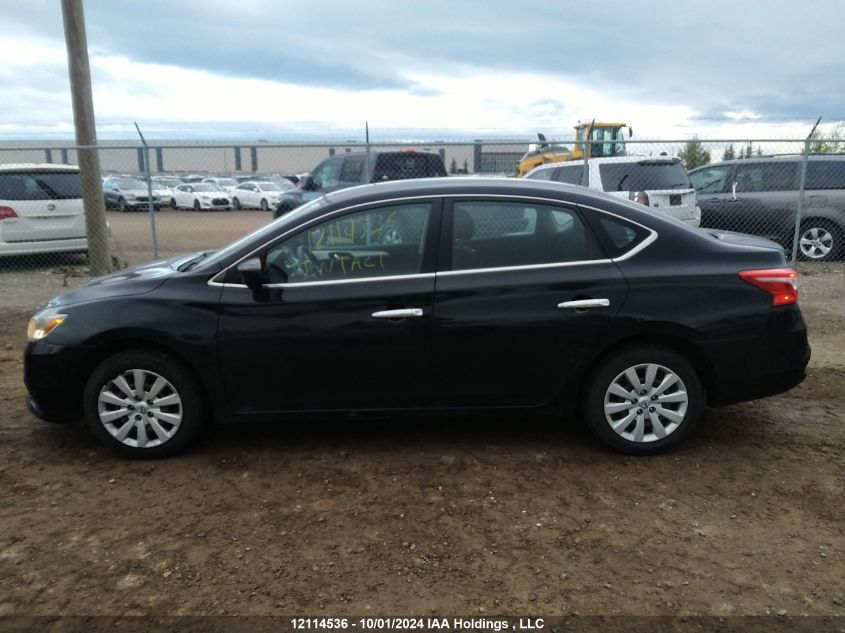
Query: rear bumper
x=771 y=363
x=72 y=245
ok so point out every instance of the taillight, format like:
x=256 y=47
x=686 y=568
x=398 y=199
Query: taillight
x=639 y=196
x=7 y=212
x=781 y=283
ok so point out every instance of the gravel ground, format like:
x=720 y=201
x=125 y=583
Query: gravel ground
x=445 y=517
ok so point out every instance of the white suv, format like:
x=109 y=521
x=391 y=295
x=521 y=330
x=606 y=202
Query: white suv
x=41 y=210
x=659 y=183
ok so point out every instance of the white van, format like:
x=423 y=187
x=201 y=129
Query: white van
x=41 y=210
x=660 y=183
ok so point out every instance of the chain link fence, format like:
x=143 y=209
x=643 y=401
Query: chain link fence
x=171 y=198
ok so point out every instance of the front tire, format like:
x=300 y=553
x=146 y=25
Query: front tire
x=643 y=399
x=122 y=206
x=236 y=204
x=264 y=206
x=144 y=404
x=197 y=205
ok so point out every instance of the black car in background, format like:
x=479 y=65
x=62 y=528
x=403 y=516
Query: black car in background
x=759 y=196
x=437 y=295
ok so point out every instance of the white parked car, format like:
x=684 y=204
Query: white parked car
x=660 y=183
x=200 y=196
x=258 y=194
x=41 y=209
x=224 y=183
x=163 y=187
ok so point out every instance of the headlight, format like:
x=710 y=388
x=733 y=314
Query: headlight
x=129 y=195
x=42 y=324
x=206 y=198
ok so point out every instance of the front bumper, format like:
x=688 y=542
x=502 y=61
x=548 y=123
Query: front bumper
x=54 y=378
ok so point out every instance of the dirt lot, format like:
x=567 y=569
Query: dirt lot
x=511 y=516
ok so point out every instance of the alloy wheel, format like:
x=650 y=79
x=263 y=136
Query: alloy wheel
x=816 y=242
x=646 y=403
x=140 y=408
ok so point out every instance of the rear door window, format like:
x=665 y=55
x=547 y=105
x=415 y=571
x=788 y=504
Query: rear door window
x=488 y=234
x=403 y=165
x=40 y=186
x=775 y=176
x=826 y=174
x=644 y=176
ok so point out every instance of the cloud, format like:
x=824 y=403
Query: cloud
x=511 y=66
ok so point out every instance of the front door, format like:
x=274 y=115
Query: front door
x=344 y=320
x=524 y=294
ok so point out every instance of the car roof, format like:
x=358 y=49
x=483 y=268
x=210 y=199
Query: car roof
x=448 y=186
x=774 y=158
x=38 y=166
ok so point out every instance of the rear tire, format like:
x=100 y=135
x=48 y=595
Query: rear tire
x=820 y=240
x=653 y=410
x=144 y=404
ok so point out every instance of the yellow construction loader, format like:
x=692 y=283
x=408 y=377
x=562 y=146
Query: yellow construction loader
x=588 y=137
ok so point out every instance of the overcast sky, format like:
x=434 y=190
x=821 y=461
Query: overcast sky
x=498 y=67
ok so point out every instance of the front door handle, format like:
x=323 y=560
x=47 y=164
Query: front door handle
x=585 y=304
x=398 y=314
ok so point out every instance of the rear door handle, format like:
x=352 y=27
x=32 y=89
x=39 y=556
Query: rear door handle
x=585 y=304
x=404 y=313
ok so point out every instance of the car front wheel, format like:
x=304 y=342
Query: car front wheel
x=643 y=400
x=264 y=205
x=144 y=404
x=236 y=204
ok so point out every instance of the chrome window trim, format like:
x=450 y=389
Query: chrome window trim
x=627 y=255
x=502 y=269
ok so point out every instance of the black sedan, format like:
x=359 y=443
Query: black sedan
x=469 y=295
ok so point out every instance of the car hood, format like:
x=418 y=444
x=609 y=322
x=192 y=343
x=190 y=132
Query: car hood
x=136 y=280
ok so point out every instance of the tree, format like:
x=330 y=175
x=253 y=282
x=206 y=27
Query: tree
x=729 y=153
x=694 y=155
x=465 y=170
x=749 y=150
x=453 y=167
x=759 y=151
x=821 y=144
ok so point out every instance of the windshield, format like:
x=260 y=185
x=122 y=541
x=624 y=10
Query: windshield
x=260 y=234
x=227 y=182
x=206 y=186
x=130 y=183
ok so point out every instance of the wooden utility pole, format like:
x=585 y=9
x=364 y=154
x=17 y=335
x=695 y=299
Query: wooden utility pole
x=99 y=258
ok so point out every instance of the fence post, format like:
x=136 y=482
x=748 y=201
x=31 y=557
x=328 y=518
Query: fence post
x=801 y=187
x=150 y=203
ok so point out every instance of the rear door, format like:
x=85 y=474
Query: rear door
x=766 y=199
x=524 y=293
x=47 y=205
x=713 y=189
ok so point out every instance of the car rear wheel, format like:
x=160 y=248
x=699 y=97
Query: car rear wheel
x=643 y=400
x=820 y=240
x=144 y=404
x=236 y=204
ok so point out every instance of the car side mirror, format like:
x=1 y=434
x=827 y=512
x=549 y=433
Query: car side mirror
x=309 y=184
x=251 y=272
x=630 y=132
x=733 y=189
